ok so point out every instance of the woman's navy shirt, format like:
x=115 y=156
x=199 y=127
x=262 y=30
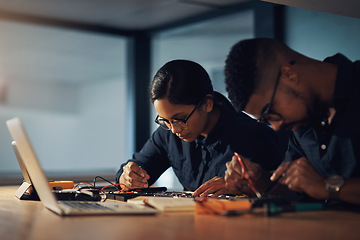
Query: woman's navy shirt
x=197 y=162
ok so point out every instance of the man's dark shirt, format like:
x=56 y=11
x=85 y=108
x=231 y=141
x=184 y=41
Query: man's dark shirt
x=197 y=162
x=334 y=149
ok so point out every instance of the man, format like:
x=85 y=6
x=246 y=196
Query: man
x=319 y=101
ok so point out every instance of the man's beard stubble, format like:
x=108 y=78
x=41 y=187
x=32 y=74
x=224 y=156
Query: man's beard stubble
x=315 y=114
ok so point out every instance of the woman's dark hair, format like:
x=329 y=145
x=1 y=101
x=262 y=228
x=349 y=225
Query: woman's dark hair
x=181 y=82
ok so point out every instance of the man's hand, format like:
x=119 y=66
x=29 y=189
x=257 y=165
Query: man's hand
x=234 y=179
x=133 y=176
x=301 y=176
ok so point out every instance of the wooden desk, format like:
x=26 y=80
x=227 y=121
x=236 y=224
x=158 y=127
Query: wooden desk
x=31 y=221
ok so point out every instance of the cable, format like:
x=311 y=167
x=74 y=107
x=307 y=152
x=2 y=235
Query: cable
x=102 y=179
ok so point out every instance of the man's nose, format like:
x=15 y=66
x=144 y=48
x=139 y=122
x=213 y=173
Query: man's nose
x=276 y=125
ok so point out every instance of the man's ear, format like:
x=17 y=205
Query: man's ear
x=288 y=73
x=209 y=102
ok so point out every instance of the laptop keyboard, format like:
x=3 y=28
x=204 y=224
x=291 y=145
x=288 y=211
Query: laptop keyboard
x=83 y=206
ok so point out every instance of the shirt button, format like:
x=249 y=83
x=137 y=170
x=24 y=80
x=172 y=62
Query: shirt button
x=323 y=123
x=323 y=146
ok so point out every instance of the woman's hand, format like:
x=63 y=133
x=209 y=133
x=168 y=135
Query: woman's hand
x=133 y=176
x=215 y=187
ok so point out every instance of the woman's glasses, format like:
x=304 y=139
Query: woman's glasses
x=180 y=124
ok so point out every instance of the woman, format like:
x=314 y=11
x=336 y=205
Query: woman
x=199 y=132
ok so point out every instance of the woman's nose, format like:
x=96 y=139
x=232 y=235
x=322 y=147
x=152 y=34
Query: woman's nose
x=175 y=129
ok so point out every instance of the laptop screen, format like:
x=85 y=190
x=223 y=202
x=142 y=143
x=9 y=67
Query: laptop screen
x=31 y=163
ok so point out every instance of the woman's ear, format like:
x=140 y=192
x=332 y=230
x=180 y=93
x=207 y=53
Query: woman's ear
x=209 y=102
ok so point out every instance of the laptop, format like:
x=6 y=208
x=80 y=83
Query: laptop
x=47 y=197
x=25 y=191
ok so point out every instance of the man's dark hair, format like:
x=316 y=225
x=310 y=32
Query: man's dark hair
x=242 y=76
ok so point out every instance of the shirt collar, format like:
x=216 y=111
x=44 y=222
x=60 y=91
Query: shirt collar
x=212 y=139
x=344 y=82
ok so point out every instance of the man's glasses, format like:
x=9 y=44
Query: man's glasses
x=180 y=124
x=267 y=115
